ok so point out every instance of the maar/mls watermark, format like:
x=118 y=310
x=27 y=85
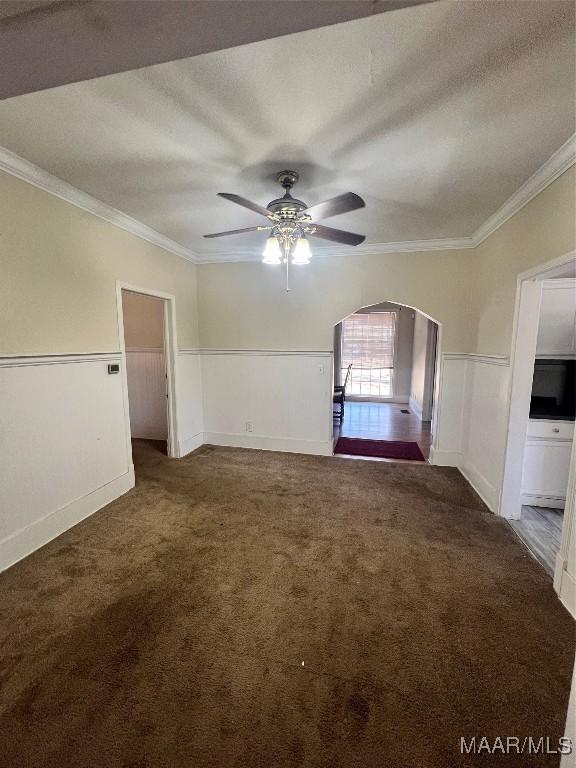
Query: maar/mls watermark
x=515 y=745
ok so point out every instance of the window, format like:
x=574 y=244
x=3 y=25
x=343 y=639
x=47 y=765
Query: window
x=368 y=342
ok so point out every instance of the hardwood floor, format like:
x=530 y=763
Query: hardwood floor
x=540 y=529
x=383 y=421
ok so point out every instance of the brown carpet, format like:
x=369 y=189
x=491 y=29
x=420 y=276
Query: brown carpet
x=242 y=608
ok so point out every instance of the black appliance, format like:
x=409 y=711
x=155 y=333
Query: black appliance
x=554 y=390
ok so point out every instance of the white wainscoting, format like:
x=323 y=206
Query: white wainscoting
x=268 y=399
x=189 y=404
x=63 y=442
x=472 y=420
x=451 y=416
x=487 y=402
x=146 y=372
x=62 y=426
x=62 y=447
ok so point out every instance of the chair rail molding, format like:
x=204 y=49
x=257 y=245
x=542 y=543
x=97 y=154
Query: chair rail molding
x=476 y=357
x=19 y=361
x=266 y=352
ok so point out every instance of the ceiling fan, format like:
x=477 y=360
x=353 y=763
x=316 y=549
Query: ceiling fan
x=291 y=221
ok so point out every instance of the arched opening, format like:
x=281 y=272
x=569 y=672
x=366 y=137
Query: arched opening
x=385 y=382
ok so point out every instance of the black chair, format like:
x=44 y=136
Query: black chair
x=340 y=395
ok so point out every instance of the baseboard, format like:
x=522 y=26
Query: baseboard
x=445 y=458
x=397 y=400
x=285 y=444
x=536 y=500
x=567 y=593
x=22 y=543
x=487 y=492
x=190 y=444
x=415 y=407
x=559 y=566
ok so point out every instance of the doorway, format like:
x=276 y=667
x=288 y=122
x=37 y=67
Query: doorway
x=147 y=338
x=539 y=465
x=385 y=377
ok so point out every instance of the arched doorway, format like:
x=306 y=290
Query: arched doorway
x=386 y=382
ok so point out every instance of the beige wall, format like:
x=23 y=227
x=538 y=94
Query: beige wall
x=143 y=320
x=59 y=266
x=539 y=232
x=470 y=292
x=244 y=305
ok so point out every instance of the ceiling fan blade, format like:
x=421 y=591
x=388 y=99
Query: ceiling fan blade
x=337 y=235
x=238 y=231
x=335 y=206
x=246 y=203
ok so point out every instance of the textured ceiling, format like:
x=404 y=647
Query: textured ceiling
x=435 y=114
x=45 y=43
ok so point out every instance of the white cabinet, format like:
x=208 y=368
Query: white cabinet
x=546 y=462
x=557 y=329
x=551 y=430
x=548 y=442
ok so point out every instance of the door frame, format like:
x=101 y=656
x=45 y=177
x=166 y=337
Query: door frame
x=523 y=354
x=436 y=375
x=431 y=356
x=170 y=351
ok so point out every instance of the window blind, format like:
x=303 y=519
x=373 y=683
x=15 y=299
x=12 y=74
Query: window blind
x=368 y=342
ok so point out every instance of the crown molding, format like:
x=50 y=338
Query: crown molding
x=366 y=249
x=27 y=171
x=554 y=167
x=406 y=246
x=560 y=161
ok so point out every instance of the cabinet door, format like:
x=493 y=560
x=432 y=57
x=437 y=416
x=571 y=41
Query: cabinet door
x=557 y=319
x=546 y=466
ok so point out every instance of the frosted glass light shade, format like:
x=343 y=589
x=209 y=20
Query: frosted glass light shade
x=302 y=252
x=272 y=253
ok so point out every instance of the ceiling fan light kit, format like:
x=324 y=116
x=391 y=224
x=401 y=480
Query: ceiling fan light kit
x=292 y=221
x=272 y=251
x=302 y=252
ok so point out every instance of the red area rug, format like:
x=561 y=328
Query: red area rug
x=380 y=449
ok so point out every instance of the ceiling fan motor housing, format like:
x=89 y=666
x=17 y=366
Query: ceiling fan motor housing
x=287 y=178
x=287 y=206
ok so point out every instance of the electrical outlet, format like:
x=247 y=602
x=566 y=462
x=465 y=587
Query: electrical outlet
x=249 y=426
